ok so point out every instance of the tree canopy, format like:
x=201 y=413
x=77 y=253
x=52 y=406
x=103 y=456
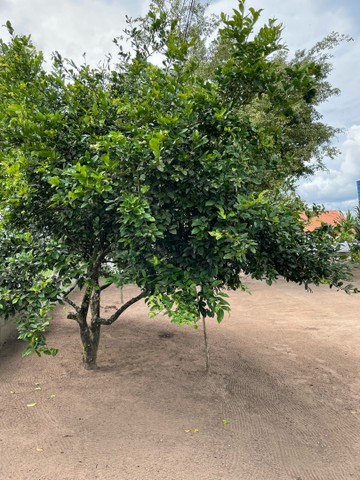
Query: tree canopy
x=176 y=175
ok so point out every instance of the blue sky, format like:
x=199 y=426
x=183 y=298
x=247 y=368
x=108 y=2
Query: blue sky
x=77 y=26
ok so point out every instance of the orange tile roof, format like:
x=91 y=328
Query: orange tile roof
x=331 y=217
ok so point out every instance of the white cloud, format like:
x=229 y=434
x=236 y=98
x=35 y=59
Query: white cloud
x=337 y=187
x=71 y=27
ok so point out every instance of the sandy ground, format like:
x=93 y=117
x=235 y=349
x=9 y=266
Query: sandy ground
x=281 y=401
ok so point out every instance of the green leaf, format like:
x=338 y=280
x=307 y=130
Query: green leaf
x=220 y=315
x=154 y=144
x=9 y=27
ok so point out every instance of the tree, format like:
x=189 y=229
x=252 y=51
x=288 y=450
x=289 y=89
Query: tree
x=352 y=226
x=154 y=175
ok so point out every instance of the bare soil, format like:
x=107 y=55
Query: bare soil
x=281 y=401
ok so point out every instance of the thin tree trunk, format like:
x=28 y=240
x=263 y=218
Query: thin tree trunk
x=90 y=337
x=122 y=295
x=207 y=356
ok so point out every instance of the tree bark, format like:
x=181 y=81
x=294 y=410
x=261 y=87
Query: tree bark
x=90 y=337
x=207 y=355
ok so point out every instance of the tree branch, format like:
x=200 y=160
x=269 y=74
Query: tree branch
x=97 y=263
x=116 y=315
x=95 y=302
x=86 y=302
x=71 y=289
x=93 y=276
x=74 y=316
x=72 y=304
x=106 y=285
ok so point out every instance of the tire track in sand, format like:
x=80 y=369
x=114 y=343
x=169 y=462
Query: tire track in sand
x=283 y=430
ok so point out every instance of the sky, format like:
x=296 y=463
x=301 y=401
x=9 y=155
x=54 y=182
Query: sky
x=74 y=27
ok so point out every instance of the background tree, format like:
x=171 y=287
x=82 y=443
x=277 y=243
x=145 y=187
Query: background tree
x=352 y=227
x=154 y=175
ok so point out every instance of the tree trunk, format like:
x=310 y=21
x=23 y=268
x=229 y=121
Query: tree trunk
x=90 y=337
x=207 y=355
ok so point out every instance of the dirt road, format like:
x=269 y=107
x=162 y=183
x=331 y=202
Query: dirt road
x=281 y=401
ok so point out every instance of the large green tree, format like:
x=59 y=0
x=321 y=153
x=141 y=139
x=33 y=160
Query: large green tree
x=164 y=176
